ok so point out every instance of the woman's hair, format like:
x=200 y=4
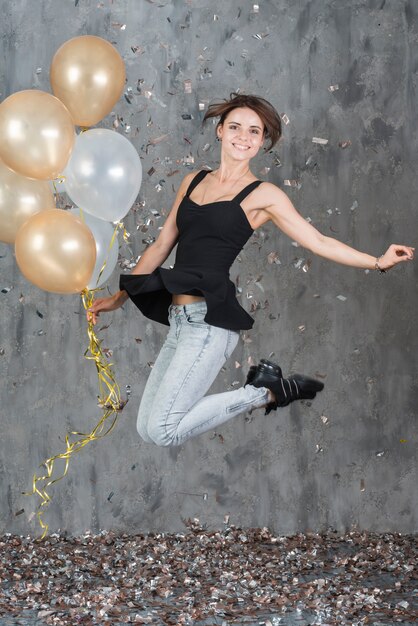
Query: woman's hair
x=263 y=108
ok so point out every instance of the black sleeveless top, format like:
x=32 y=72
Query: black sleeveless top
x=210 y=237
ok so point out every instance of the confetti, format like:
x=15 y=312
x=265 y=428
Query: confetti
x=273 y=257
x=320 y=140
x=6 y=289
x=324 y=419
x=256 y=8
x=333 y=88
x=285 y=118
x=187 y=84
x=344 y=144
x=342 y=298
x=292 y=183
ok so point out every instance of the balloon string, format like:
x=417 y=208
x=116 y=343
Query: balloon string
x=119 y=225
x=109 y=400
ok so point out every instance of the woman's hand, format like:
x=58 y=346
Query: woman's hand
x=395 y=254
x=103 y=305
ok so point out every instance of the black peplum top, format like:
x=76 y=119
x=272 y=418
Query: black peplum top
x=210 y=237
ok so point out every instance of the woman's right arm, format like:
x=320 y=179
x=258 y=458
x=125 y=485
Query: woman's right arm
x=152 y=258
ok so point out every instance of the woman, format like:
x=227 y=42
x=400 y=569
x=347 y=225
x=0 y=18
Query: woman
x=213 y=216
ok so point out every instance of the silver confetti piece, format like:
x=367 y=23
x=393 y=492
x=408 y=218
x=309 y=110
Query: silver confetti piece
x=320 y=140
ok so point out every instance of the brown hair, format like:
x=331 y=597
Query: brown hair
x=266 y=111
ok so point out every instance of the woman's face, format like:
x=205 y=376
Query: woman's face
x=242 y=133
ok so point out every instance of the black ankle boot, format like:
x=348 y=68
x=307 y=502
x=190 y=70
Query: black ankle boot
x=253 y=369
x=286 y=390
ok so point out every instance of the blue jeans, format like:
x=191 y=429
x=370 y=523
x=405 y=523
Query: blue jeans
x=174 y=407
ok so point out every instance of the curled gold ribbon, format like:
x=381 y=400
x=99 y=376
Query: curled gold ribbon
x=109 y=400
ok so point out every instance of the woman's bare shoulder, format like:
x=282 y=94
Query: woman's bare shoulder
x=269 y=193
x=188 y=179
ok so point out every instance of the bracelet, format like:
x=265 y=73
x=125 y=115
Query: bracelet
x=377 y=266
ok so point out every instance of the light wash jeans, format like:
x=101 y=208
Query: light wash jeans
x=174 y=407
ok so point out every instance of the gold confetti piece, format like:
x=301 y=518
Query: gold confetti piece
x=273 y=257
x=320 y=140
x=307 y=265
x=362 y=485
x=403 y=440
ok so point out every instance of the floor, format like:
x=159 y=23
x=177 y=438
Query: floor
x=199 y=577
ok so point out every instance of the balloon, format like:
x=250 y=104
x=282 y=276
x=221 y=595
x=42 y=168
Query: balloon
x=88 y=75
x=104 y=173
x=56 y=251
x=102 y=233
x=20 y=198
x=37 y=134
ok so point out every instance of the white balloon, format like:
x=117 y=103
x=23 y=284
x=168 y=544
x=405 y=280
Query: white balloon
x=104 y=174
x=102 y=232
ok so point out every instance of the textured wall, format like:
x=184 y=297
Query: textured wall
x=350 y=458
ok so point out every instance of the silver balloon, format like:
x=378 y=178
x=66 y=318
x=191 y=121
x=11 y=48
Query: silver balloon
x=102 y=232
x=104 y=174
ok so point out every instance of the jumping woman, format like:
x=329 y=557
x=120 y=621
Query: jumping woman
x=213 y=216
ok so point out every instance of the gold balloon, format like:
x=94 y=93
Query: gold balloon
x=37 y=134
x=56 y=251
x=20 y=198
x=88 y=75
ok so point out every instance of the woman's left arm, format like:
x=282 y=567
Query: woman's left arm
x=284 y=215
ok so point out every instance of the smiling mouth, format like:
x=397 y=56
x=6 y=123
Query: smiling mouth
x=240 y=147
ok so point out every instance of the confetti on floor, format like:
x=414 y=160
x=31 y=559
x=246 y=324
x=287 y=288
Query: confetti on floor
x=201 y=577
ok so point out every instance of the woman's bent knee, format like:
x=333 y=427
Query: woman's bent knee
x=159 y=436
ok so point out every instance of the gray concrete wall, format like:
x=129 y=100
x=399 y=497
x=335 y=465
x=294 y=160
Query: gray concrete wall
x=349 y=460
